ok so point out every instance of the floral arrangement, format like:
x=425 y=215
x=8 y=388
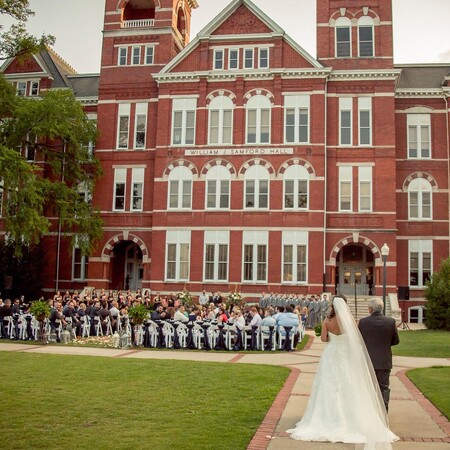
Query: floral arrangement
x=185 y=297
x=234 y=297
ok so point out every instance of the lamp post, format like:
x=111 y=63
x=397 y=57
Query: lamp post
x=384 y=255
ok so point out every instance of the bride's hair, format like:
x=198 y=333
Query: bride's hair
x=332 y=312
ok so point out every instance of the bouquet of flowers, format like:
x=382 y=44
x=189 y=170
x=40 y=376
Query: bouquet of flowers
x=234 y=297
x=184 y=297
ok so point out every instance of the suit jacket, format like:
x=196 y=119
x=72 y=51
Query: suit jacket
x=379 y=334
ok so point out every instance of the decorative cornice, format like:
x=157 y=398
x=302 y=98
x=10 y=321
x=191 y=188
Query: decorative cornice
x=228 y=75
x=346 y=75
x=414 y=93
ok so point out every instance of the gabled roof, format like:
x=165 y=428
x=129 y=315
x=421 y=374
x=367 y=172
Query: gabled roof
x=46 y=63
x=208 y=34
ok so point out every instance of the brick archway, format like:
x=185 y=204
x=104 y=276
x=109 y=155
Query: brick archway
x=257 y=162
x=217 y=162
x=297 y=162
x=356 y=239
x=124 y=236
x=416 y=175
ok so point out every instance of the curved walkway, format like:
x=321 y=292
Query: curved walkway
x=412 y=417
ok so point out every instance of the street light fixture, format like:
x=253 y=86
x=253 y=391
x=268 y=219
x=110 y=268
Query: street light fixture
x=384 y=255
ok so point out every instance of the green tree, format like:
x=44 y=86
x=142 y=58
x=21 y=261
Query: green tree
x=16 y=41
x=437 y=293
x=55 y=128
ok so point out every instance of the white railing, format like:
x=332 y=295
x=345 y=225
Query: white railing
x=139 y=23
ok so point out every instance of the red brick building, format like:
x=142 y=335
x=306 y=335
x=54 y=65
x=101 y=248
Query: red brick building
x=238 y=161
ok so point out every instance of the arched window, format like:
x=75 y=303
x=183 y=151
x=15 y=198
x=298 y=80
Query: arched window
x=296 y=187
x=258 y=120
x=419 y=199
x=256 y=188
x=343 y=39
x=221 y=120
x=365 y=37
x=180 y=188
x=218 y=181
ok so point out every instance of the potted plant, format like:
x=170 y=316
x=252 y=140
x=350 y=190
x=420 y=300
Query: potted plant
x=40 y=309
x=138 y=313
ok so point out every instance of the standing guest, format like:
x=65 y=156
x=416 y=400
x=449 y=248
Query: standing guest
x=203 y=298
x=380 y=333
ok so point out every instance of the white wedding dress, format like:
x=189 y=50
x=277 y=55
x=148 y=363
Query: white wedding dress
x=345 y=403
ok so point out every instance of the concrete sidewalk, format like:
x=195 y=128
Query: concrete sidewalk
x=412 y=417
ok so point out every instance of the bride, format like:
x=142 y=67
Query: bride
x=345 y=403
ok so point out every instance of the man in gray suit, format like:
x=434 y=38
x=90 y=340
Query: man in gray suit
x=379 y=334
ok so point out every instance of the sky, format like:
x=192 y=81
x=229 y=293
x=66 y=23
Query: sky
x=421 y=27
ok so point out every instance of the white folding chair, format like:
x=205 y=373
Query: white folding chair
x=153 y=331
x=198 y=335
x=169 y=333
x=182 y=332
x=264 y=335
x=230 y=335
x=282 y=337
x=212 y=333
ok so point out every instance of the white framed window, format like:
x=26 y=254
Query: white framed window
x=183 y=121
x=149 y=54
x=216 y=255
x=420 y=262
x=34 y=88
x=120 y=181
x=345 y=188
x=296 y=118
x=263 y=58
x=258 y=120
x=122 y=56
x=135 y=56
x=420 y=199
x=343 y=39
x=248 y=58
x=177 y=255
x=365 y=37
x=219 y=59
x=180 y=188
x=256 y=188
x=123 y=125
x=365 y=120
x=296 y=187
x=140 y=125
x=233 y=59
x=419 y=136
x=137 y=188
x=218 y=181
x=345 y=120
x=220 y=120
x=365 y=189
x=79 y=265
x=295 y=256
x=22 y=88
x=255 y=251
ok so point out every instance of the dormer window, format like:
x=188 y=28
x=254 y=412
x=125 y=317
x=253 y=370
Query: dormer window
x=343 y=38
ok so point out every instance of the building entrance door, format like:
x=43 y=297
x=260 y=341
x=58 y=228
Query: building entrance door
x=134 y=270
x=355 y=270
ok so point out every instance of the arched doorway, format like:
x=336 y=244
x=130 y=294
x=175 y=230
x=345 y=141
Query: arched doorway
x=355 y=270
x=127 y=266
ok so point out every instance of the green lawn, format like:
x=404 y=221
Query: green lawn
x=82 y=402
x=434 y=383
x=427 y=343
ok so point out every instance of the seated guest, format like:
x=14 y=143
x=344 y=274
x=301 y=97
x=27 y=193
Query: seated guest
x=103 y=315
x=221 y=316
x=114 y=310
x=69 y=312
x=5 y=311
x=159 y=314
x=180 y=314
x=56 y=319
x=255 y=317
x=268 y=320
x=289 y=319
